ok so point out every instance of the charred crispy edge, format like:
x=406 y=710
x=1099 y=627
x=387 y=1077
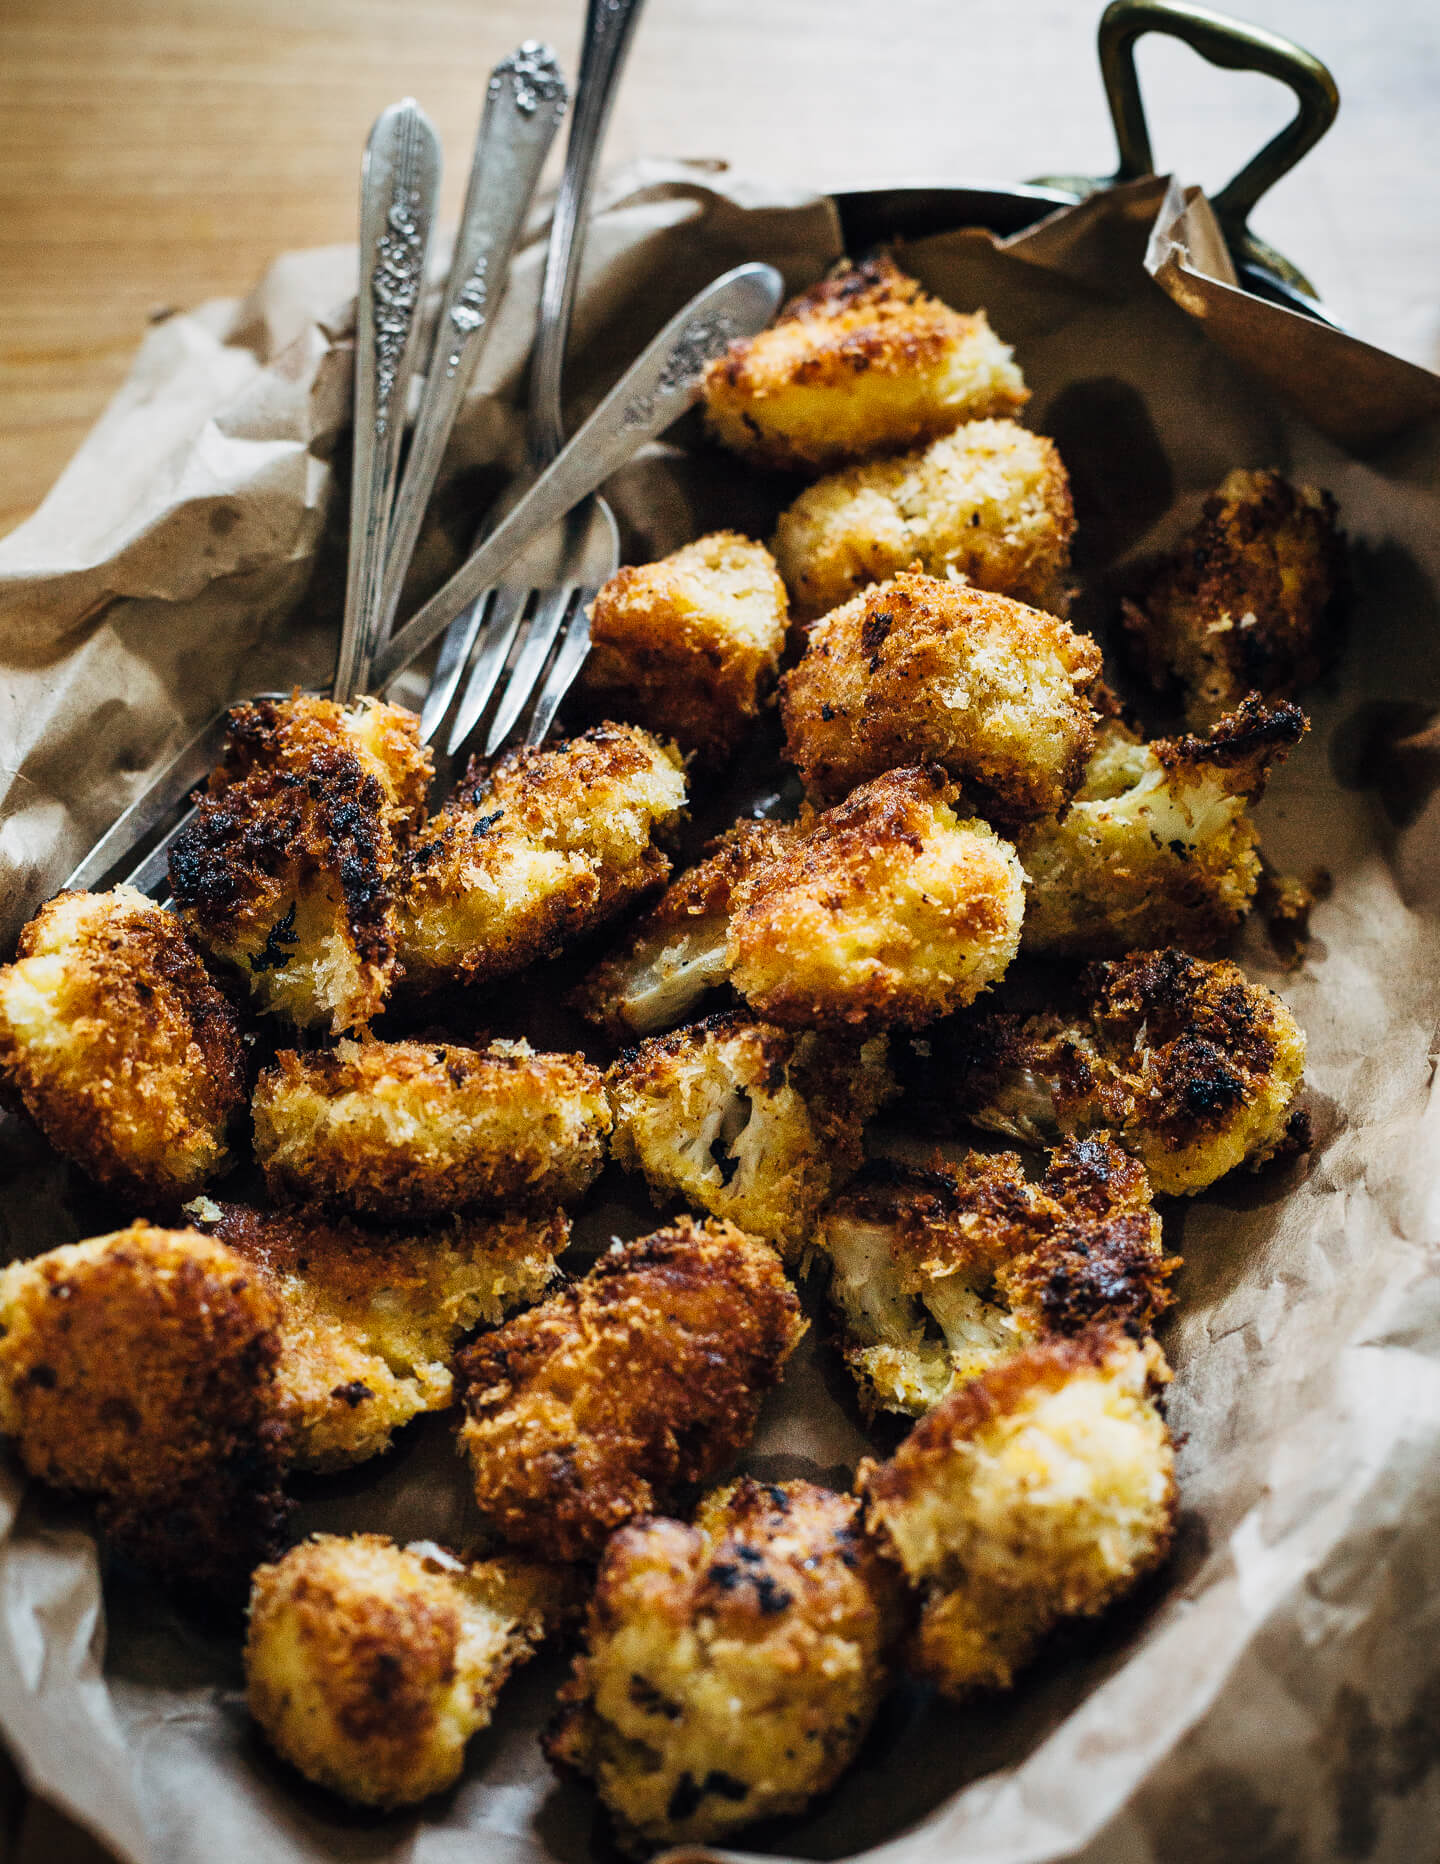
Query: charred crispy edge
x=778 y=1044
x=1256 y=732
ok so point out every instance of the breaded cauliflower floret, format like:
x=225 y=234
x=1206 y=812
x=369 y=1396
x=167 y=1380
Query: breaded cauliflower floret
x=369 y=1322
x=1158 y=846
x=423 y=1129
x=369 y=1666
x=864 y=362
x=599 y=1404
x=1247 y=600
x=690 y=645
x=885 y=912
x=287 y=869
x=989 y=504
x=731 y=1669
x=675 y=953
x=750 y=1122
x=549 y=843
x=118 y=1045
x=1040 y=1491
x=919 y=671
x=1193 y=1067
x=138 y=1369
x=938 y=1274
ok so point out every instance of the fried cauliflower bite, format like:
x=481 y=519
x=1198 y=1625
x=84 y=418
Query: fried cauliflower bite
x=922 y=671
x=1246 y=602
x=1194 y=1068
x=676 y=952
x=368 y=1322
x=864 y=362
x=287 y=869
x=1158 y=846
x=423 y=1129
x=732 y=1669
x=1040 y=1491
x=690 y=645
x=887 y=911
x=989 y=504
x=369 y=1666
x=597 y=1405
x=938 y=1274
x=750 y=1122
x=138 y=1370
x=549 y=843
x=119 y=1047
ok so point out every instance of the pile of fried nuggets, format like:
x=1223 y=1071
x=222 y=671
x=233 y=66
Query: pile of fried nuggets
x=973 y=796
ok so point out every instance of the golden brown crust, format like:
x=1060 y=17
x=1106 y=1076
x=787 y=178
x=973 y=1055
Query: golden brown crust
x=689 y=646
x=731 y=1669
x=593 y=1407
x=922 y=671
x=408 y=1130
x=864 y=362
x=139 y=1369
x=118 y=1045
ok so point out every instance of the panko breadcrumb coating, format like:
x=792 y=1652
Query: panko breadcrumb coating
x=864 y=362
x=597 y=1405
x=1157 y=846
x=369 y=1666
x=1194 y=1068
x=690 y=645
x=919 y=671
x=885 y=912
x=424 y=1129
x=676 y=952
x=138 y=1369
x=549 y=843
x=731 y=1669
x=1040 y=1491
x=119 y=1047
x=938 y=1274
x=1246 y=602
x=753 y=1123
x=287 y=869
x=989 y=504
x=368 y=1322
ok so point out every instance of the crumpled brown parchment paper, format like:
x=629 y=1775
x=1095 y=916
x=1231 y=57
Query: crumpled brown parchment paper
x=1274 y=1696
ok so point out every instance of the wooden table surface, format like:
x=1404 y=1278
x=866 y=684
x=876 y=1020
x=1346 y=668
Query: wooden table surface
x=154 y=153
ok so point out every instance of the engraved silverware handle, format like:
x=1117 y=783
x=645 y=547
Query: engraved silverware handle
x=399 y=185
x=653 y=392
x=523 y=109
x=609 y=30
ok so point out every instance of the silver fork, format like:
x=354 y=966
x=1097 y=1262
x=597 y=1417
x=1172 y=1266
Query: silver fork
x=558 y=576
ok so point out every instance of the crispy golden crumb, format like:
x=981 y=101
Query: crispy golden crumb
x=369 y=1666
x=864 y=362
x=139 y=1369
x=989 y=504
x=1194 y=1068
x=423 y=1129
x=938 y=1274
x=1246 y=602
x=886 y=912
x=731 y=1669
x=368 y=1322
x=548 y=844
x=1040 y=1491
x=755 y=1124
x=118 y=1045
x=690 y=645
x=597 y=1405
x=675 y=953
x=287 y=869
x=1157 y=846
x=922 y=671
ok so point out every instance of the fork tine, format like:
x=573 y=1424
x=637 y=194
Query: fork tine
x=569 y=658
x=550 y=613
x=455 y=650
x=500 y=631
